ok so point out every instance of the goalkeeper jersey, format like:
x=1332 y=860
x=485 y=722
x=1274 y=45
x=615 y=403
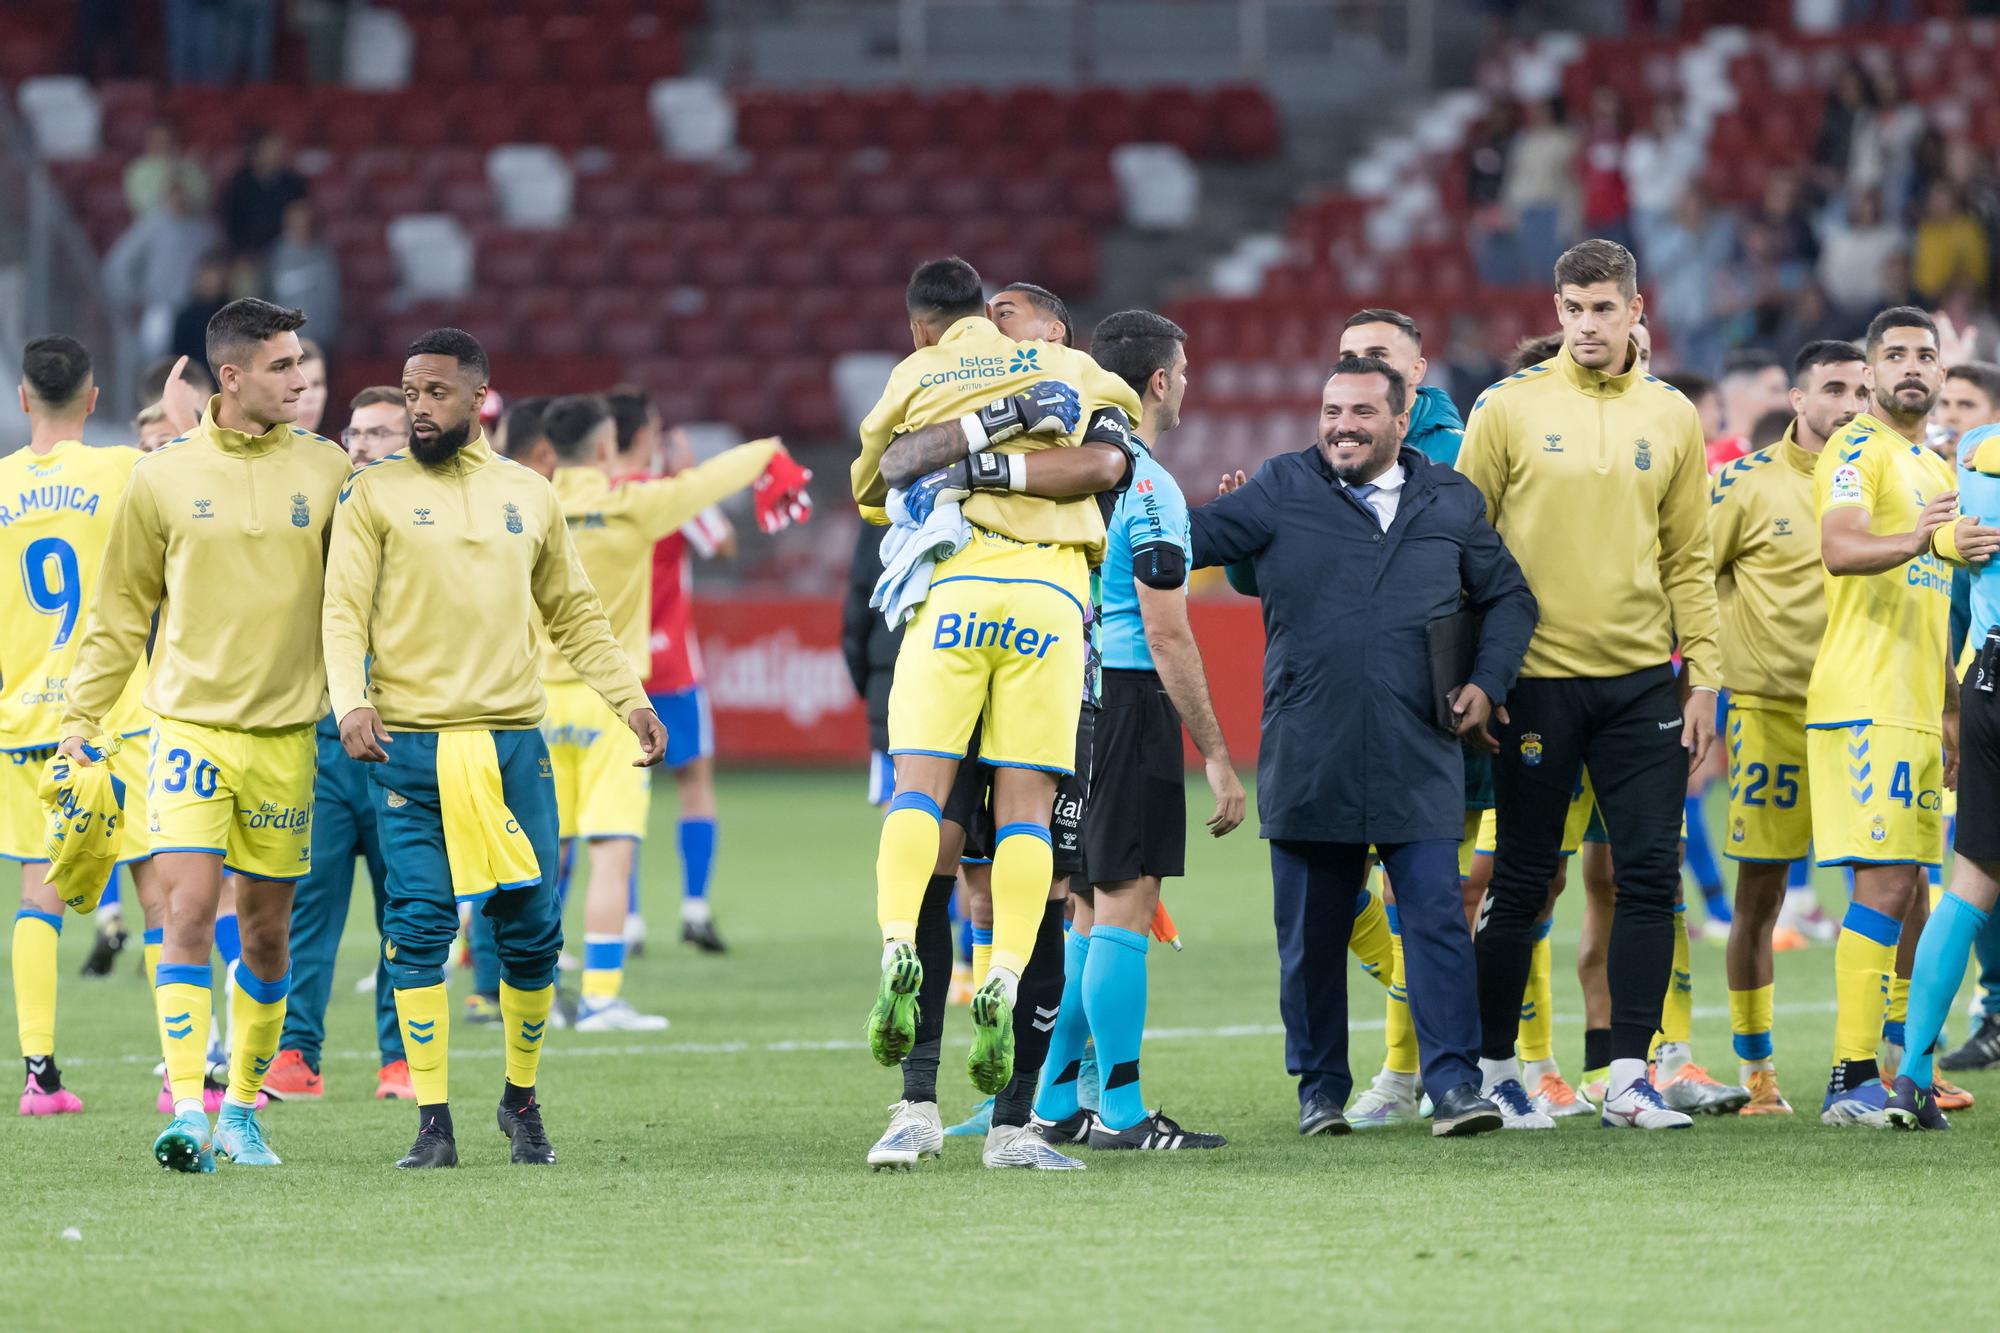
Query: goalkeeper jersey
x=55 y=518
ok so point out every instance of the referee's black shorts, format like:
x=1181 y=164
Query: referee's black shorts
x=1137 y=822
x=970 y=804
x=1977 y=834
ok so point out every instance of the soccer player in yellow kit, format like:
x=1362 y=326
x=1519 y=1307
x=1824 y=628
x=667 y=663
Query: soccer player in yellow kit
x=600 y=797
x=223 y=534
x=1882 y=704
x=1762 y=521
x=1001 y=630
x=443 y=557
x=56 y=501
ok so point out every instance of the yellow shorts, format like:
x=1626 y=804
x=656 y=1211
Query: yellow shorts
x=244 y=795
x=1574 y=823
x=1877 y=795
x=599 y=794
x=1770 y=802
x=23 y=824
x=1468 y=844
x=1000 y=633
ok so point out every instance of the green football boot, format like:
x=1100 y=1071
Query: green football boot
x=991 y=1063
x=892 y=1023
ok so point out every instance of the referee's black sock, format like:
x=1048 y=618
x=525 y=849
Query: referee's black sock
x=1035 y=1008
x=933 y=944
x=1596 y=1049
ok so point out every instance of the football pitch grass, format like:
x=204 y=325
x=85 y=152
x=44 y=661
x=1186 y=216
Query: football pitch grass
x=713 y=1175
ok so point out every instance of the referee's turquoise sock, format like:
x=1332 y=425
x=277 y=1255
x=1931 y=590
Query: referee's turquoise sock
x=1935 y=978
x=1056 y=1098
x=1114 y=1000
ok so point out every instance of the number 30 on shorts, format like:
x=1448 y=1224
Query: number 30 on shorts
x=1784 y=784
x=204 y=774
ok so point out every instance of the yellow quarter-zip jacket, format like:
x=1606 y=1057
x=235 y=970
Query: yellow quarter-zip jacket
x=225 y=535
x=1599 y=486
x=970 y=366
x=614 y=531
x=1765 y=529
x=438 y=574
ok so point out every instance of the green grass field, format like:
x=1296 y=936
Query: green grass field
x=712 y=1175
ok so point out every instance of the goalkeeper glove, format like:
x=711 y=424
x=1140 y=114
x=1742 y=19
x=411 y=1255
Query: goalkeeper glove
x=957 y=481
x=1047 y=407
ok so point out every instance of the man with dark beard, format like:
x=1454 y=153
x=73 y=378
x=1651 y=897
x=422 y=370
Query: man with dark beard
x=1358 y=545
x=441 y=560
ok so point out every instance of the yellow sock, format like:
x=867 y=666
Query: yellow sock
x=1537 y=1039
x=35 y=937
x=425 y=1013
x=603 y=967
x=1899 y=999
x=256 y=1020
x=181 y=1000
x=525 y=1016
x=1399 y=1034
x=1750 y=1025
x=1677 y=1009
x=982 y=956
x=151 y=955
x=904 y=861
x=1023 y=864
x=1864 y=958
x=1369 y=940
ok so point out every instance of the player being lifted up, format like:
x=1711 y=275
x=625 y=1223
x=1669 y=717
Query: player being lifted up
x=1001 y=630
x=223 y=534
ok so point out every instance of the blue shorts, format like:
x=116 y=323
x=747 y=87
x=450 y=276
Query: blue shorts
x=690 y=729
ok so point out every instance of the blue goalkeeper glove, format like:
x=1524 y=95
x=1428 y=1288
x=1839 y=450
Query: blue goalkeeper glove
x=957 y=481
x=1046 y=407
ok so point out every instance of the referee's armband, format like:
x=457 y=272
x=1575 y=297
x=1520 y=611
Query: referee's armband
x=1160 y=565
x=1108 y=425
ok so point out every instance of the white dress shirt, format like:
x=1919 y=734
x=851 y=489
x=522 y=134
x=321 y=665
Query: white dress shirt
x=1384 y=495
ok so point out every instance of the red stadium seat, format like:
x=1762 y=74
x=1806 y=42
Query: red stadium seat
x=507 y=258
x=1178 y=117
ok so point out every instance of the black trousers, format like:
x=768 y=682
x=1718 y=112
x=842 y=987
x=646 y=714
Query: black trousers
x=1627 y=730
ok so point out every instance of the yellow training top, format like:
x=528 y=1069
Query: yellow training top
x=973 y=364
x=439 y=573
x=615 y=530
x=225 y=534
x=1598 y=485
x=1765 y=530
x=55 y=517
x=1888 y=635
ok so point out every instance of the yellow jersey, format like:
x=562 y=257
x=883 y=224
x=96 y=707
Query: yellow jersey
x=55 y=518
x=224 y=535
x=615 y=529
x=1598 y=483
x=1887 y=635
x=444 y=576
x=1765 y=530
x=973 y=364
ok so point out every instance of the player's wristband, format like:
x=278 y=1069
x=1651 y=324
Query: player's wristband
x=1710 y=688
x=1944 y=543
x=997 y=472
x=975 y=433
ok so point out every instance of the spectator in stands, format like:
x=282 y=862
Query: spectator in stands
x=1540 y=188
x=303 y=274
x=1849 y=102
x=1485 y=173
x=193 y=29
x=104 y=39
x=249 y=37
x=163 y=160
x=255 y=200
x=1855 y=250
x=1781 y=220
x=1885 y=142
x=150 y=270
x=1607 y=201
x=1951 y=249
x=210 y=293
x=1662 y=162
x=1689 y=258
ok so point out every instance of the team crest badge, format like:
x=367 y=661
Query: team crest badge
x=1531 y=749
x=513 y=517
x=1736 y=833
x=301 y=512
x=1877 y=830
x=396 y=800
x=1643 y=457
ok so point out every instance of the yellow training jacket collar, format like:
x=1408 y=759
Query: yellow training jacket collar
x=967 y=327
x=1796 y=457
x=1595 y=382
x=474 y=454
x=235 y=441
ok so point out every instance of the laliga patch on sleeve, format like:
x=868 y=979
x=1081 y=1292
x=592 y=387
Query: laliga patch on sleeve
x=1846 y=487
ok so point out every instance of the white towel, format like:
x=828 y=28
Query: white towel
x=911 y=551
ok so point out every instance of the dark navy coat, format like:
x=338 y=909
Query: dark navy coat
x=1350 y=751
